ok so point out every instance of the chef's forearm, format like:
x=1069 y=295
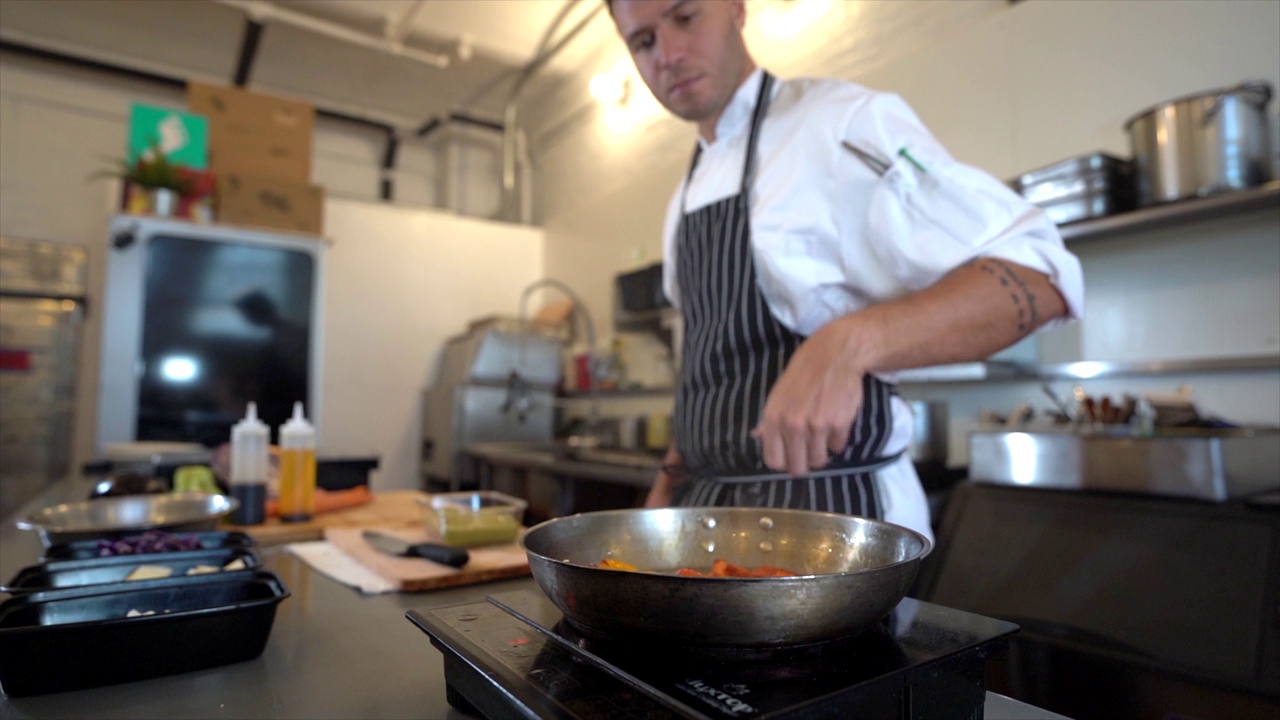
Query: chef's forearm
x=974 y=311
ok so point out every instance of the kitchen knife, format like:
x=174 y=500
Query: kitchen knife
x=391 y=545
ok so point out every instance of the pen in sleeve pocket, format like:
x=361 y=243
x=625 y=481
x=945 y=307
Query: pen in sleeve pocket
x=878 y=166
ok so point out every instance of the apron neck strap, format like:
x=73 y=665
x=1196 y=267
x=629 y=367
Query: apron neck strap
x=749 y=161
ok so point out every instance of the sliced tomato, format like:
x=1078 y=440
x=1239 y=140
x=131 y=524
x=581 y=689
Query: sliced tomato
x=771 y=571
x=724 y=568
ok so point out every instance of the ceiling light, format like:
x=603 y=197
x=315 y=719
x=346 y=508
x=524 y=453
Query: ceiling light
x=610 y=88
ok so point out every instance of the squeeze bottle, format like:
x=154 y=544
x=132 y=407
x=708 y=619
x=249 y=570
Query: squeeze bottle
x=249 y=462
x=297 y=468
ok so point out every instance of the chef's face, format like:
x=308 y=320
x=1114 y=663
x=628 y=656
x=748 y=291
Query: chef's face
x=690 y=53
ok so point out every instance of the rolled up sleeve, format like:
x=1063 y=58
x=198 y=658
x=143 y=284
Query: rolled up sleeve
x=930 y=214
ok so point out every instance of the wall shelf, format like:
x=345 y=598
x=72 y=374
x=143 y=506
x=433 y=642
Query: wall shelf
x=1083 y=370
x=1217 y=206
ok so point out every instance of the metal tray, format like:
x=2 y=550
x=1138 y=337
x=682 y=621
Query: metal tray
x=88 y=549
x=1075 y=186
x=1093 y=163
x=101 y=571
x=75 y=638
x=1088 y=205
x=1206 y=464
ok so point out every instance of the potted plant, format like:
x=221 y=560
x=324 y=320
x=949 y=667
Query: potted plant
x=156 y=185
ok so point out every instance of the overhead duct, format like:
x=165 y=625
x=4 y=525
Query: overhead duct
x=511 y=204
x=393 y=43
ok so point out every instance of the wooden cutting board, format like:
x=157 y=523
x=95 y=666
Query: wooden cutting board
x=494 y=562
x=390 y=509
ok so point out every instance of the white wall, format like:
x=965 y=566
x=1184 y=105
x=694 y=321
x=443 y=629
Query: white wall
x=399 y=282
x=59 y=125
x=1008 y=88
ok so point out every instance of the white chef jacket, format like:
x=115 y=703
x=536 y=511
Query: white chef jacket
x=830 y=235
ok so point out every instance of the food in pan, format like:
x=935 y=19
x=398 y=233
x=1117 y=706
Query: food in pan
x=719 y=568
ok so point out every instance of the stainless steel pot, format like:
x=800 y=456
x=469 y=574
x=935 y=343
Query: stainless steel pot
x=1202 y=144
x=929 y=432
x=855 y=571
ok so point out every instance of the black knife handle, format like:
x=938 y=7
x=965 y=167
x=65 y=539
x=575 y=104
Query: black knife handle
x=453 y=557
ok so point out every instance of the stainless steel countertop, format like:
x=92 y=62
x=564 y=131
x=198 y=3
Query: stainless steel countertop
x=333 y=653
x=633 y=469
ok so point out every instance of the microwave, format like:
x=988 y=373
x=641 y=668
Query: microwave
x=641 y=290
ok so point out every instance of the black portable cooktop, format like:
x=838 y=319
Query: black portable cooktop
x=516 y=656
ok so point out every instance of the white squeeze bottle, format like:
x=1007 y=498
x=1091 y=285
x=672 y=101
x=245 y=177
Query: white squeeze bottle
x=249 y=463
x=297 y=468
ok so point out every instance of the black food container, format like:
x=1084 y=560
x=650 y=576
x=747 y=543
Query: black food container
x=106 y=570
x=208 y=540
x=74 y=638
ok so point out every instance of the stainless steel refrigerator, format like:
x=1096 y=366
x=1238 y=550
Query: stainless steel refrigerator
x=42 y=293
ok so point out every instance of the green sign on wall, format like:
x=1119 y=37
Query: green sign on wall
x=183 y=137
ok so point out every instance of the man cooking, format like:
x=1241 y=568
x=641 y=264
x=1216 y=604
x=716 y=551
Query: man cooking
x=821 y=241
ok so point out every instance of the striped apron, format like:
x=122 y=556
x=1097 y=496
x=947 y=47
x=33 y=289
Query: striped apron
x=734 y=351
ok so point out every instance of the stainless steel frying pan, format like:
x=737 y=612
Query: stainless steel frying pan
x=853 y=572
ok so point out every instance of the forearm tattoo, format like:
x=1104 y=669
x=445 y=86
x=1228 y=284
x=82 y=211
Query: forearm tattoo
x=1019 y=292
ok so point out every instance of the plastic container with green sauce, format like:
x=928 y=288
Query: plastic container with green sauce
x=470 y=519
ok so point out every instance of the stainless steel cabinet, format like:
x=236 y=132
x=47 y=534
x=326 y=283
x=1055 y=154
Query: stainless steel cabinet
x=41 y=313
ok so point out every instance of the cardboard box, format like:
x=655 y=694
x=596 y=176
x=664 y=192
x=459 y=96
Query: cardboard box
x=270 y=203
x=255 y=135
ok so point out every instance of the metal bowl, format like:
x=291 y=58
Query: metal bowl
x=854 y=571
x=112 y=517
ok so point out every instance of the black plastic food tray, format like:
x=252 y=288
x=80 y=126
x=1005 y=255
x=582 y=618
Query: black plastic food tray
x=76 y=638
x=114 y=569
x=209 y=540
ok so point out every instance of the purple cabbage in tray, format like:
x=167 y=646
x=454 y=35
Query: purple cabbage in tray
x=151 y=541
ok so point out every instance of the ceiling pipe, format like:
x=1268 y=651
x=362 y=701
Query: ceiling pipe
x=510 y=110
x=262 y=11
x=398 y=30
x=249 y=42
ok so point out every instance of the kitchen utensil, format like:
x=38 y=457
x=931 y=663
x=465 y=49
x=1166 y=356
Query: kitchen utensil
x=1058 y=402
x=435 y=552
x=854 y=571
x=1202 y=144
x=409 y=574
x=126 y=515
x=1021 y=414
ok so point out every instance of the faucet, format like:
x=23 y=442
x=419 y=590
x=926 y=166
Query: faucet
x=515 y=384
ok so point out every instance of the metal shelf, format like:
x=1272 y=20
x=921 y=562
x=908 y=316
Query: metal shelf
x=1259 y=198
x=1084 y=370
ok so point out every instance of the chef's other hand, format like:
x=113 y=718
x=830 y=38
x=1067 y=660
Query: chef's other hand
x=810 y=410
x=660 y=494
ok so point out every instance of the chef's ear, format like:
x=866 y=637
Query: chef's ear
x=738 y=11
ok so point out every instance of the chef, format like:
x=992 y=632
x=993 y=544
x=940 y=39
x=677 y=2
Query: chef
x=821 y=240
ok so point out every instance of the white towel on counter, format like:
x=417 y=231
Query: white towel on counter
x=327 y=559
